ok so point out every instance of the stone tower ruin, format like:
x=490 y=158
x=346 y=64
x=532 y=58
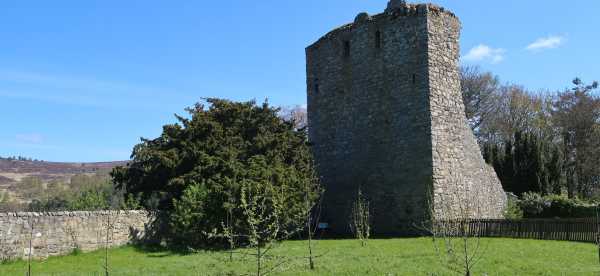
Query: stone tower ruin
x=386 y=116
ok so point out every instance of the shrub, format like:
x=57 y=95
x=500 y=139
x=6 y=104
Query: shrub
x=555 y=206
x=512 y=210
x=193 y=172
x=532 y=204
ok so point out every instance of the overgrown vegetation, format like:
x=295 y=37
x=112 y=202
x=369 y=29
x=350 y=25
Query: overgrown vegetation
x=555 y=206
x=199 y=170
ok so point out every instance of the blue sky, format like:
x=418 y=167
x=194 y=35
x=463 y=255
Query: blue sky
x=84 y=80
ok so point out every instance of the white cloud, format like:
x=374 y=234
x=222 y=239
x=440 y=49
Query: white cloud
x=483 y=52
x=546 y=43
x=30 y=138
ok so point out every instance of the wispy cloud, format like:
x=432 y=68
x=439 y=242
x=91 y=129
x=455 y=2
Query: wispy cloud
x=79 y=90
x=549 y=42
x=486 y=53
x=29 y=138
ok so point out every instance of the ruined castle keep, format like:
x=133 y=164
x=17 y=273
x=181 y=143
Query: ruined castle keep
x=386 y=116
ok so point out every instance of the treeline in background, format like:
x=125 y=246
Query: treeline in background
x=544 y=145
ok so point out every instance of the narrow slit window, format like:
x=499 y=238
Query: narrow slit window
x=316 y=88
x=414 y=78
x=378 y=39
x=346 y=48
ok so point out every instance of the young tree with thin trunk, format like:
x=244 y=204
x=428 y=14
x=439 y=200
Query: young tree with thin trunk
x=455 y=224
x=264 y=212
x=263 y=206
x=313 y=214
x=110 y=219
x=30 y=252
x=360 y=223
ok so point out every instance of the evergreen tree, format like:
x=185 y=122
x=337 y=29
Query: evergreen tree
x=528 y=164
x=194 y=171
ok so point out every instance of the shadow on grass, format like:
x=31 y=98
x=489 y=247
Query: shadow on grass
x=160 y=251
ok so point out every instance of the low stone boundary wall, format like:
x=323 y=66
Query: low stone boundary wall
x=59 y=233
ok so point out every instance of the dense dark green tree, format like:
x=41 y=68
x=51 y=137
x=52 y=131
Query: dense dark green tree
x=194 y=171
x=527 y=163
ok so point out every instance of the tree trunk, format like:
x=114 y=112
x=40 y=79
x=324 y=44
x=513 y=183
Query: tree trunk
x=258 y=257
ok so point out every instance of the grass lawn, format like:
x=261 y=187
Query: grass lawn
x=415 y=256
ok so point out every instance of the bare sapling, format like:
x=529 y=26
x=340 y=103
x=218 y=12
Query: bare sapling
x=262 y=207
x=454 y=225
x=111 y=218
x=360 y=223
x=73 y=236
x=30 y=252
x=229 y=234
x=312 y=215
x=263 y=211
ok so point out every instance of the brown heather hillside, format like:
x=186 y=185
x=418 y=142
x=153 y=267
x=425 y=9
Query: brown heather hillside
x=43 y=167
x=5 y=180
x=12 y=171
x=17 y=176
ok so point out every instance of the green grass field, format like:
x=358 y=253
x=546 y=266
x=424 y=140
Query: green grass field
x=414 y=256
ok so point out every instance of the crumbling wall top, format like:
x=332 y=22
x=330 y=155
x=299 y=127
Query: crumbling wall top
x=395 y=4
x=395 y=9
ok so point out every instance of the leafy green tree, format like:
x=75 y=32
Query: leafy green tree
x=91 y=200
x=194 y=171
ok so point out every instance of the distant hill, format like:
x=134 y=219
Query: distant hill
x=12 y=170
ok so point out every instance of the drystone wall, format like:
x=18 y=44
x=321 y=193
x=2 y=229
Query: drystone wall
x=386 y=117
x=59 y=233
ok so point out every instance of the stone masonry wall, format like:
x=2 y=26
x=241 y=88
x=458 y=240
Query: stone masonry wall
x=59 y=233
x=386 y=116
x=464 y=185
x=368 y=118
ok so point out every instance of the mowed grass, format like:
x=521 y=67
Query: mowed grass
x=414 y=256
